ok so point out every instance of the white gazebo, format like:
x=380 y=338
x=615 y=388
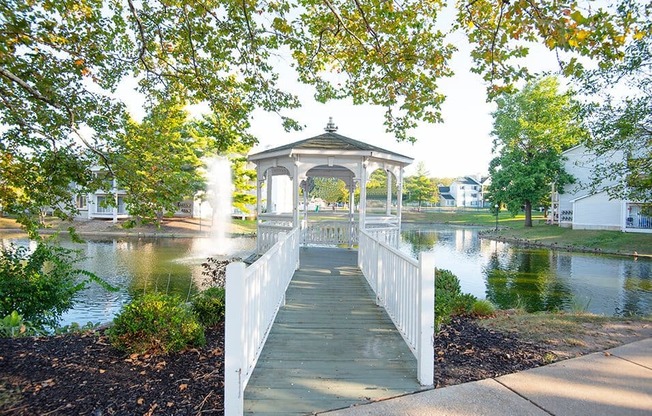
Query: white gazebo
x=329 y=155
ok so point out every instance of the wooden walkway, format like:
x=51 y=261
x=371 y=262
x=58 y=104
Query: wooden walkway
x=330 y=346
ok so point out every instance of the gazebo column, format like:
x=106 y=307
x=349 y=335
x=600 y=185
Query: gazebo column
x=362 y=211
x=295 y=195
x=388 y=208
x=269 y=203
x=351 y=185
x=399 y=197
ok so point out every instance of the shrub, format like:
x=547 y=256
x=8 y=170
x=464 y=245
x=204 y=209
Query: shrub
x=41 y=285
x=483 y=307
x=14 y=326
x=209 y=306
x=156 y=323
x=447 y=288
x=463 y=304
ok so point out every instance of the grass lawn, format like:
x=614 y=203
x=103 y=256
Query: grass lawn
x=481 y=217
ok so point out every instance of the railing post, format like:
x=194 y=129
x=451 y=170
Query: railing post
x=234 y=363
x=425 y=346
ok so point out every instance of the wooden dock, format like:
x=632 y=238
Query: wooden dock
x=330 y=346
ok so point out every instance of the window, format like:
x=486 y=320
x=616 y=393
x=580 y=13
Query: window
x=81 y=202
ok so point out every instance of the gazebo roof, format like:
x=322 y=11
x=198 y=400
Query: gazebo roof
x=331 y=143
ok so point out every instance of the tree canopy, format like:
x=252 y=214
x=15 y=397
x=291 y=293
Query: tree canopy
x=63 y=62
x=531 y=128
x=420 y=187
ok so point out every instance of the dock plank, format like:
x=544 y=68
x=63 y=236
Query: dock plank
x=331 y=346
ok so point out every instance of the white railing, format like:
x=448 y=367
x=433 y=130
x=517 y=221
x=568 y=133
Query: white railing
x=269 y=228
x=406 y=289
x=253 y=297
x=330 y=232
x=388 y=235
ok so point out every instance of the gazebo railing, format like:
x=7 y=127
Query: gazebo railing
x=269 y=228
x=330 y=233
x=406 y=289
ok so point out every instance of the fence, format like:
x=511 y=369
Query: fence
x=331 y=233
x=269 y=228
x=406 y=289
x=253 y=297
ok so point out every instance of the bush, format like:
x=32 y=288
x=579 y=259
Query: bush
x=156 y=323
x=447 y=288
x=41 y=285
x=463 y=305
x=209 y=306
x=14 y=326
x=483 y=308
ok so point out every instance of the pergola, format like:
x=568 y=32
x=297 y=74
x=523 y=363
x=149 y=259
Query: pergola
x=329 y=155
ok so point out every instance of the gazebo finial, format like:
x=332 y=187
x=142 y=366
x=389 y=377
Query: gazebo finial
x=331 y=127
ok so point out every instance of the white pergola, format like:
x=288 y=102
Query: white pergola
x=329 y=155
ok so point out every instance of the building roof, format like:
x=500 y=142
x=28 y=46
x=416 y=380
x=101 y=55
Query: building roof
x=448 y=196
x=467 y=180
x=330 y=142
x=444 y=189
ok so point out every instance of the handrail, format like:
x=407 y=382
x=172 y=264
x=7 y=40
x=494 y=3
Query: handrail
x=406 y=289
x=254 y=295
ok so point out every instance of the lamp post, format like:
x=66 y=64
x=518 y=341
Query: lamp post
x=496 y=207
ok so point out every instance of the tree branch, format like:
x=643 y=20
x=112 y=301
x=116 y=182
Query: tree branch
x=339 y=19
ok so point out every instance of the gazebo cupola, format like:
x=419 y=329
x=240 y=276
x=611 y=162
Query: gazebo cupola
x=329 y=155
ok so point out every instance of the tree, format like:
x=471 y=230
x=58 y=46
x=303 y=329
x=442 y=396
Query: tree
x=531 y=128
x=501 y=32
x=331 y=190
x=603 y=48
x=623 y=125
x=61 y=63
x=157 y=163
x=420 y=187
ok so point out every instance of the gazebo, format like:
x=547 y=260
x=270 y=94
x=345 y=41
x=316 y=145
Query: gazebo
x=329 y=155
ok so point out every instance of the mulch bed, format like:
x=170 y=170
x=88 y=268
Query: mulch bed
x=465 y=351
x=84 y=375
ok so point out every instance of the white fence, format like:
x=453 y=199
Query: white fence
x=269 y=228
x=406 y=289
x=253 y=297
x=330 y=232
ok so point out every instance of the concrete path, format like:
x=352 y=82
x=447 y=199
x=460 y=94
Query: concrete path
x=612 y=383
x=330 y=346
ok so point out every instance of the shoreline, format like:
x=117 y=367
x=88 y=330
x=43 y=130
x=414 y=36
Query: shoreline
x=522 y=242
x=180 y=229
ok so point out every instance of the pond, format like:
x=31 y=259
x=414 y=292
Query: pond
x=139 y=265
x=509 y=276
x=536 y=279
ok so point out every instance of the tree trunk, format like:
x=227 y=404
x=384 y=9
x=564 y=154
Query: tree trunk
x=528 y=214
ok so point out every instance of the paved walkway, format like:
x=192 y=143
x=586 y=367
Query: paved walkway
x=330 y=346
x=612 y=383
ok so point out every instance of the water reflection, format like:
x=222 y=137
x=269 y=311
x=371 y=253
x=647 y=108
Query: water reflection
x=536 y=280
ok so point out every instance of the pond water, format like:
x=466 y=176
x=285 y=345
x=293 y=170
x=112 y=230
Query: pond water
x=536 y=279
x=138 y=265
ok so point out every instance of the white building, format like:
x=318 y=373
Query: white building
x=581 y=209
x=463 y=192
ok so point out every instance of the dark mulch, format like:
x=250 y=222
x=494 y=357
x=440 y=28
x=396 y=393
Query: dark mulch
x=83 y=375
x=465 y=351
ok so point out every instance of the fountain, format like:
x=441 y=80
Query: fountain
x=218 y=195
